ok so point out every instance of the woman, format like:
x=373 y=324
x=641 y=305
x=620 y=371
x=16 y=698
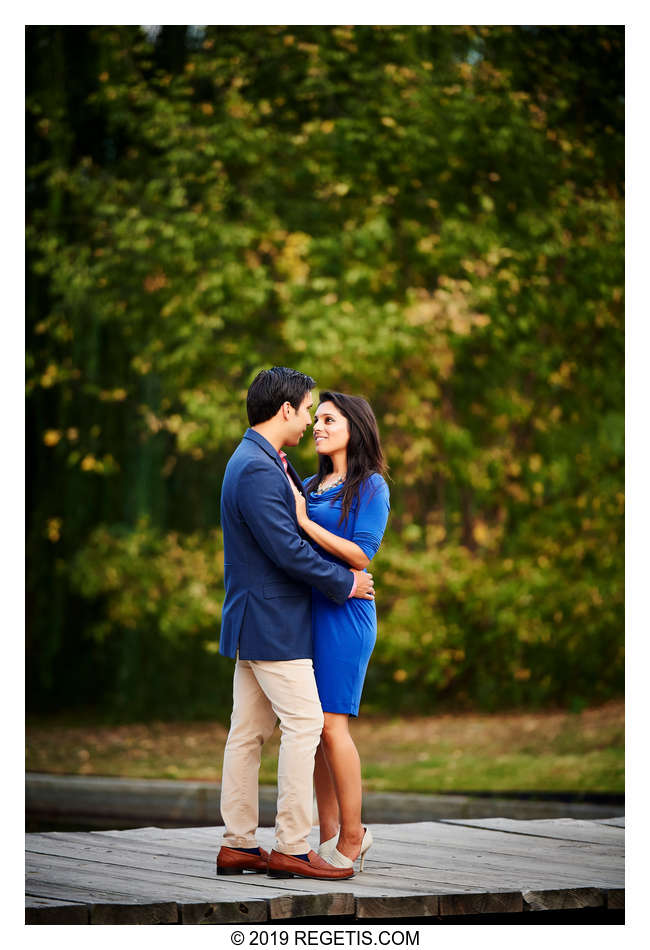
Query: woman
x=344 y=514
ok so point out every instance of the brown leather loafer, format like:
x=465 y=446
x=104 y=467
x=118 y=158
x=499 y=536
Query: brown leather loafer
x=286 y=865
x=232 y=861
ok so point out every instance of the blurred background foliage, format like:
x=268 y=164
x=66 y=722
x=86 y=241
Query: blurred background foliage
x=429 y=216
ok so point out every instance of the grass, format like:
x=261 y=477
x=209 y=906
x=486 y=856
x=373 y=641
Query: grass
x=554 y=751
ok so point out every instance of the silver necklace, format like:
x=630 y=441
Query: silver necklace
x=322 y=487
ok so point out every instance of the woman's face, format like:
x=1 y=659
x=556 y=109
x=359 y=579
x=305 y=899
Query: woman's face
x=331 y=430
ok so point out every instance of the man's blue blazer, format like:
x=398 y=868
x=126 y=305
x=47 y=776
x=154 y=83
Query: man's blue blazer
x=269 y=568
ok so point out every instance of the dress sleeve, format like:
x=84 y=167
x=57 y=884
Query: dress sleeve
x=372 y=515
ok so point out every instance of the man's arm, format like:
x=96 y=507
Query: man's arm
x=264 y=506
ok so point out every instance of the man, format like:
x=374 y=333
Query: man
x=269 y=569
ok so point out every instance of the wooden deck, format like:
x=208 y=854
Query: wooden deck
x=423 y=870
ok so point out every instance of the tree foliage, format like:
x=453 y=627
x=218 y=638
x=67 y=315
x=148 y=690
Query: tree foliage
x=429 y=216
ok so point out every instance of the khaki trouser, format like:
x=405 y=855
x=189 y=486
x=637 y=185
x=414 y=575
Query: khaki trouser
x=263 y=691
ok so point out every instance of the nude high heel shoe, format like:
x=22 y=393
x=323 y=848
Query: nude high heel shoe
x=338 y=860
x=327 y=847
x=365 y=846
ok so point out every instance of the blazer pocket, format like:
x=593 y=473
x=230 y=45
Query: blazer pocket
x=281 y=590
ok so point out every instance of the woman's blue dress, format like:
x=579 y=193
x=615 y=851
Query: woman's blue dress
x=345 y=634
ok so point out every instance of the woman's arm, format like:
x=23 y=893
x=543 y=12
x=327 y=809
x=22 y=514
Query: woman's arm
x=347 y=551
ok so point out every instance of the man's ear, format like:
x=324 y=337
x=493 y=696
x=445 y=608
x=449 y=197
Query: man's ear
x=285 y=407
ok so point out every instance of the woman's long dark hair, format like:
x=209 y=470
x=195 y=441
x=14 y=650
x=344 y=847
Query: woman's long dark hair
x=364 y=453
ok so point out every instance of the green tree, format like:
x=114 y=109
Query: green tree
x=429 y=216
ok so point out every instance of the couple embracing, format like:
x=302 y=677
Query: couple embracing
x=299 y=618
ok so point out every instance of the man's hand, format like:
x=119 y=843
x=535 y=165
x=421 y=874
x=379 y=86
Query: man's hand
x=365 y=586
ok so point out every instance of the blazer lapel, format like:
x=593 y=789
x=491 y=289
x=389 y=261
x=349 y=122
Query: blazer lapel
x=295 y=477
x=268 y=448
x=266 y=445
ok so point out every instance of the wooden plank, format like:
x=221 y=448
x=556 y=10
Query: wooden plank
x=601 y=835
x=495 y=875
x=427 y=869
x=146 y=830
x=311 y=905
x=566 y=829
x=290 y=898
x=420 y=905
x=469 y=867
x=500 y=872
x=144 y=908
x=38 y=886
x=111 y=840
x=487 y=877
x=466 y=860
x=151 y=913
x=563 y=898
x=478 y=841
x=134 y=855
x=509 y=902
x=224 y=912
x=227 y=909
x=155 y=883
x=615 y=898
x=473 y=844
x=185 y=843
x=47 y=910
x=318 y=904
x=461 y=849
x=315 y=904
x=115 y=907
x=455 y=847
x=437 y=880
x=247 y=885
x=368 y=884
x=235 y=895
x=390 y=871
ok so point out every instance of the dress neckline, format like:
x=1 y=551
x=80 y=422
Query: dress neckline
x=326 y=492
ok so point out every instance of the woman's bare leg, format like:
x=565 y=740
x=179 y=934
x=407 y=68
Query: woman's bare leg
x=345 y=768
x=328 y=806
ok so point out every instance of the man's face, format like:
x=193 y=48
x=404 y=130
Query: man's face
x=298 y=420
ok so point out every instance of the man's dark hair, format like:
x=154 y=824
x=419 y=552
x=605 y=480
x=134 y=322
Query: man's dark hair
x=271 y=388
